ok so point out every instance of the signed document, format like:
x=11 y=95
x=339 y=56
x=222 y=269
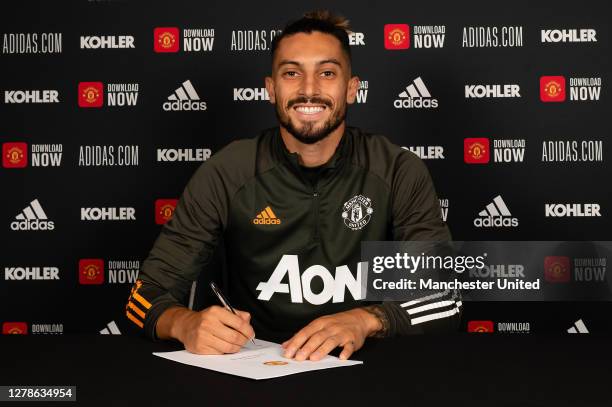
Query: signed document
x=264 y=360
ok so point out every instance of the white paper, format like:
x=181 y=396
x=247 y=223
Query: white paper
x=264 y=360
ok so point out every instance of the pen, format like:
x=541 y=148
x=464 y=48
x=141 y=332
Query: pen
x=224 y=301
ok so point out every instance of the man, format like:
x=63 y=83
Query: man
x=292 y=207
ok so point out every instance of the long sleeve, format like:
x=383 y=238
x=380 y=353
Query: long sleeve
x=417 y=217
x=185 y=245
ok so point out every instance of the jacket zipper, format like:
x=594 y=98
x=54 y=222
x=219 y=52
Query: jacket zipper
x=315 y=208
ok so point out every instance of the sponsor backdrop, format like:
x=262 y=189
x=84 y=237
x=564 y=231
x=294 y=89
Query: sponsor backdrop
x=107 y=108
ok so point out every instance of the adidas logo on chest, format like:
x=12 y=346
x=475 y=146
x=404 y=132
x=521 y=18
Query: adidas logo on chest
x=266 y=217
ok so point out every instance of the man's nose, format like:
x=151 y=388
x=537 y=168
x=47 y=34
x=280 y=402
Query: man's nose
x=309 y=86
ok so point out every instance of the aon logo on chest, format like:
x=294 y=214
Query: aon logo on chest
x=299 y=286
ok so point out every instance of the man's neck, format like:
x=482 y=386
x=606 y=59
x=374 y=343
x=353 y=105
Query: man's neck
x=317 y=154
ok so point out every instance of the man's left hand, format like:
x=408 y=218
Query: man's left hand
x=347 y=329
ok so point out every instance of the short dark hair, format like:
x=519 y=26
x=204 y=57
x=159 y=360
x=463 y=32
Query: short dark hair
x=319 y=20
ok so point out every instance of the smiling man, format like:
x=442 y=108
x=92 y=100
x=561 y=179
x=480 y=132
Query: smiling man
x=292 y=207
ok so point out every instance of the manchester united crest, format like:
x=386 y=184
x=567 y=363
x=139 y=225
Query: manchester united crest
x=357 y=212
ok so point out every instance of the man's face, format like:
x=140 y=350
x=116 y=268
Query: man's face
x=310 y=85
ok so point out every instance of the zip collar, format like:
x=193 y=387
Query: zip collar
x=337 y=159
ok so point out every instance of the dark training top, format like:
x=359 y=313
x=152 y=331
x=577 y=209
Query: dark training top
x=293 y=237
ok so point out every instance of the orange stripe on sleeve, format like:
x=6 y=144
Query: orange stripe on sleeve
x=137 y=310
x=141 y=300
x=132 y=318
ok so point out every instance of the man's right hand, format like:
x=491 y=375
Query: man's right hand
x=212 y=331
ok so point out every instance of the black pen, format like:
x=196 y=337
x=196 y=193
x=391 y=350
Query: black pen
x=225 y=302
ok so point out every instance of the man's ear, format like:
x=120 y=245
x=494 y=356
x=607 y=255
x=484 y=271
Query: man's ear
x=351 y=91
x=270 y=89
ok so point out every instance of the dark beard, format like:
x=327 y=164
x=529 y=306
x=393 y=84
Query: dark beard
x=308 y=134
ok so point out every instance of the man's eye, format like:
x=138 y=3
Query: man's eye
x=291 y=74
x=328 y=74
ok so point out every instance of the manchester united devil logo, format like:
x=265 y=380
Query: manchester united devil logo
x=357 y=212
